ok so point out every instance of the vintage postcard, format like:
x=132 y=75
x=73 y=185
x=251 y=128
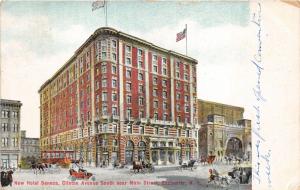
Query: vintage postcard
x=150 y=95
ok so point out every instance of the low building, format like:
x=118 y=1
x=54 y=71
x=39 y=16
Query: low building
x=10 y=133
x=30 y=147
x=223 y=131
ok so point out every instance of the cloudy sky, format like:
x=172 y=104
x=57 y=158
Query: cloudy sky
x=37 y=38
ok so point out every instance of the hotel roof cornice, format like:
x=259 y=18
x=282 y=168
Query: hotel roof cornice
x=112 y=31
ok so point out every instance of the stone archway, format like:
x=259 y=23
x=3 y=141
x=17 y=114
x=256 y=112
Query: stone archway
x=234 y=146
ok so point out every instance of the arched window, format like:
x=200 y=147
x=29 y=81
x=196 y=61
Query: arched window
x=115 y=142
x=129 y=144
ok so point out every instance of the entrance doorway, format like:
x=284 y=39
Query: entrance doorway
x=234 y=147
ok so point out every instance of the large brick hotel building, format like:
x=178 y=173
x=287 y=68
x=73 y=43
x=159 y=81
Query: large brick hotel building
x=121 y=98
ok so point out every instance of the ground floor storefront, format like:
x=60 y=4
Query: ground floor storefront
x=105 y=149
x=9 y=159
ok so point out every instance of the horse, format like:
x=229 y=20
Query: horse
x=38 y=167
x=137 y=166
x=210 y=159
x=6 y=178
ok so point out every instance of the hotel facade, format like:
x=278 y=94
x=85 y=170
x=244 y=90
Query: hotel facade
x=120 y=98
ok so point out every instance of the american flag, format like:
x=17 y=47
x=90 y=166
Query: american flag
x=98 y=4
x=181 y=35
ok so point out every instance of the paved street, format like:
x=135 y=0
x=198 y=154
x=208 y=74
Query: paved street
x=164 y=177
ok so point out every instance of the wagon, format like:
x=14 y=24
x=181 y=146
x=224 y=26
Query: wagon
x=81 y=174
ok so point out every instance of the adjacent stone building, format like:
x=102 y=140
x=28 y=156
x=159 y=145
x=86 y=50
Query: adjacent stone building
x=122 y=98
x=223 y=131
x=30 y=147
x=10 y=133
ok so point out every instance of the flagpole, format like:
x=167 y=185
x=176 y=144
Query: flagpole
x=186 y=39
x=105 y=13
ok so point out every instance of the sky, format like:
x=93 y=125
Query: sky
x=37 y=38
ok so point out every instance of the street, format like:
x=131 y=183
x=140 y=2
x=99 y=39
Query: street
x=164 y=177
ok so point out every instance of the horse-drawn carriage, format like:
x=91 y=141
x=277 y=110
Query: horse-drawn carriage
x=77 y=172
x=241 y=174
x=191 y=164
x=143 y=167
x=207 y=160
x=81 y=174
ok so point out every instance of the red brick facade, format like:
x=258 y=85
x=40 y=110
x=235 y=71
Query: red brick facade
x=121 y=98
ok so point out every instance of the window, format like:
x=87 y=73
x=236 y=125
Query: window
x=186 y=98
x=154 y=69
x=177 y=75
x=165 y=72
x=155 y=116
x=114 y=96
x=4 y=142
x=156 y=130
x=128 y=49
x=164 y=61
x=128 y=113
x=128 y=86
x=128 y=99
x=4 y=127
x=104 y=141
x=140 y=52
x=186 y=87
x=164 y=83
x=164 y=94
x=15 y=127
x=129 y=129
x=166 y=132
x=114 y=69
x=140 y=64
x=186 y=77
x=114 y=111
x=141 y=114
x=154 y=58
x=165 y=106
x=178 y=132
x=103 y=55
x=177 y=85
x=104 y=83
x=141 y=76
x=165 y=117
x=177 y=107
x=178 y=96
x=115 y=142
x=104 y=96
x=114 y=83
x=128 y=73
x=187 y=133
x=154 y=92
x=114 y=44
x=178 y=119
x=104 y=110
x=177 y=64
x=114 y=56
x=141 y=89
x=155 y=80
x=141 y=101
x=128 y=61
x=155 y=104
x=142 y=131
x=186 y=108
